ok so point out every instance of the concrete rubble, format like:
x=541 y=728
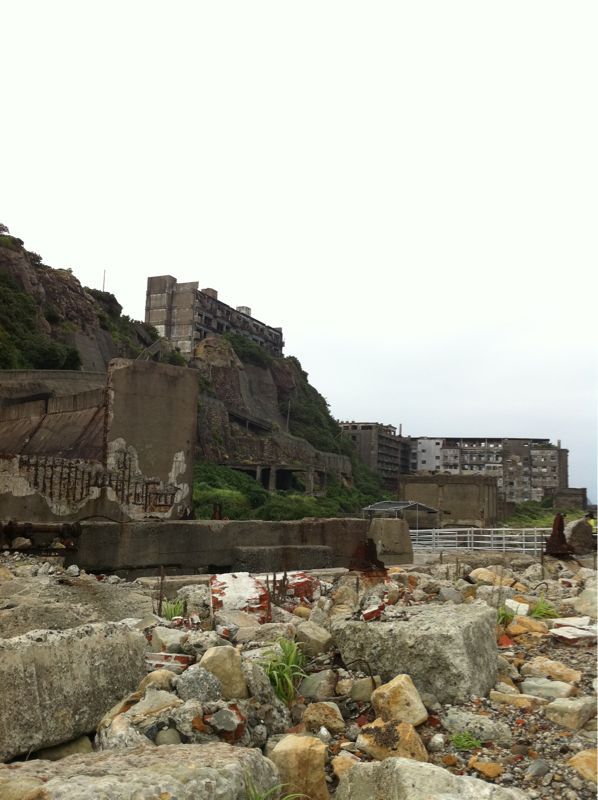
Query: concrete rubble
x=417 y=681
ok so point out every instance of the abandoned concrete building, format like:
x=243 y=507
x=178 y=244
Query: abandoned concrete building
x=461 y=500
x=525 y=469
x=185 y=315
x=379 y=446
x=78 y=444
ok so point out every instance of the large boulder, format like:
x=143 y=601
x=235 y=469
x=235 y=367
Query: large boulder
x=57 y=685
x=406 y=779
x=580 y=536
x=186 y=771
x=449 y=651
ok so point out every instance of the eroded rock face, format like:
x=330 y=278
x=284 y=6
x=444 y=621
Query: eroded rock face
x=57 y=685
x=405 y=779
x=449 y=651
x=186 y=772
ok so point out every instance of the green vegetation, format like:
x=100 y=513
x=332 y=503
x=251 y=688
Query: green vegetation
x=543 y=609
x=176 y=358
x=247 y=350
x=172 y=608
x=242 y=497
x=285 y=669
x=533 y=514
x=465 y=741
x=22 y=344
x=120 y=326
x=505 y=616
x=254 y=793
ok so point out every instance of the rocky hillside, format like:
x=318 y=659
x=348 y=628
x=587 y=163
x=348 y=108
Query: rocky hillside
x=49 y=321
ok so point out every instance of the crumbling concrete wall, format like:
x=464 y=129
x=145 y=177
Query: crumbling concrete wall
x=392 y=540
x=124 y=450
x=56 y=685
x=201 y=545
x=461 y=500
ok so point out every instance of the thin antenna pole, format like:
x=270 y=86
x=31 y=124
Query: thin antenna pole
x=104 y=282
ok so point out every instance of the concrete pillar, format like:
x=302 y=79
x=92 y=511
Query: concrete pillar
x=272 y=479
x=258 y=474
x=309 y=481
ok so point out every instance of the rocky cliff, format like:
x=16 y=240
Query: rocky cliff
x=261 y=410
x=49 y=321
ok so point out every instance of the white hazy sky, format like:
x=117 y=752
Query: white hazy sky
x=408 y=188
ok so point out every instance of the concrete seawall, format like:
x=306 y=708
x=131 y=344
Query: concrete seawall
x=209 y=545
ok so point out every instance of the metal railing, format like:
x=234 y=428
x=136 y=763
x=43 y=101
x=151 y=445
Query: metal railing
x=519 y=540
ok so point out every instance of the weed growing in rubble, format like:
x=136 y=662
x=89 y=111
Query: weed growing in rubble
x=465 y=741
x=505 y=616
x=543 y=609
x=284 y=669
x=253 y=793
x=172 y=608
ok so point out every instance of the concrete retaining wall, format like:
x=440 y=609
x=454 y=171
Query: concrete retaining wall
x=202 y=545
x=57 y=685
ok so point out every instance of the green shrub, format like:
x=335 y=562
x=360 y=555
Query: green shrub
x=543 y=609
x=285 y=669
x=233 y=504
x=176 y=359
x=253 y=793
x=505 y=616
x=214 y=476
x=172 y=608
x=248 y=351
x=465 y=741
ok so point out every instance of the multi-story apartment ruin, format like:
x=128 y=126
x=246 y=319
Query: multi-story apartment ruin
x=379 y=446
x=525 y=469
x=185 y=315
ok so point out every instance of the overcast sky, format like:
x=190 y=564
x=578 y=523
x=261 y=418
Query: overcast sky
x=407 y=188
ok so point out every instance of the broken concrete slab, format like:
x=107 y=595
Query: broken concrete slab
x=448 y=650
x=57 y=685
x=406 y=779
x=184 y=771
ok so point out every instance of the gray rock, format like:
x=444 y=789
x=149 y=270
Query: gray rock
x=437 y=743
x=264 y=703
x=586 y=603
x=537 y=769
x=448 y=594
x=543 y=687
x=57 y=685
x=483 y=728
x=406 y=779
x=187 y=772
x=198 y=642
x=73 y=571
x=494 y=596
x=198 y=683
x=167 y=736
x=168 y=640
x=319 y=685
x=269 y=632
x=314 y=639
x=448 y=650
x=80 y=745
x=196 y=599
x=571 y=712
